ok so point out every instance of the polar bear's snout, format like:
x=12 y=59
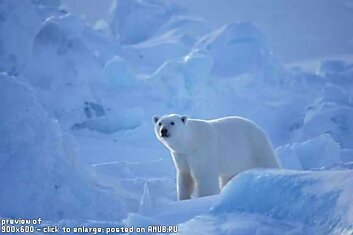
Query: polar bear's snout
x=164 y=132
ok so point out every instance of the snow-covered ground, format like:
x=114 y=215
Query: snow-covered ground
x=77 y=146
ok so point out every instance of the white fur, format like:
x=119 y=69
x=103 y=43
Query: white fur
x=208 y=153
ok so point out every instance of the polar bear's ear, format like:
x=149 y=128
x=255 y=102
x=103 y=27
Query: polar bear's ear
x=184 y=119
x=155 y=119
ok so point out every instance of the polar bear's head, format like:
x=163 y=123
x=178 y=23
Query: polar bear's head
x=171 y=130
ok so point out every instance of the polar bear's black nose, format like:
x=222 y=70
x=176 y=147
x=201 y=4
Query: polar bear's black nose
x=164 y=132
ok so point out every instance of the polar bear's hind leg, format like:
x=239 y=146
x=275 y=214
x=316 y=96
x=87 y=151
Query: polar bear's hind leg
x=206 y=184
x=223 y=180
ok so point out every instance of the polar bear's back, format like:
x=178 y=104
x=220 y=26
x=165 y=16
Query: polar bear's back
x=242 y=143
x=236 y=129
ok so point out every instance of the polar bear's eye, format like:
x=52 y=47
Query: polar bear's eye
x=160 y=124
x=172 y=123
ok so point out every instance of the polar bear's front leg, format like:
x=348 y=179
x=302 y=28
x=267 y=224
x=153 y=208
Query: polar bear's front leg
x=185 y=182
x=185 y=185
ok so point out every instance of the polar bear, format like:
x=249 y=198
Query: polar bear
x=208 y=153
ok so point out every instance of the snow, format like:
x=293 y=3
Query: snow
x=297 y=203
x=237 y=48
x=304 y=156
x=77 y=145
x=16 y=45
x=135 y=21
x=296 y=30
x=116 y=72
x=62 y=188
x=330 y=118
